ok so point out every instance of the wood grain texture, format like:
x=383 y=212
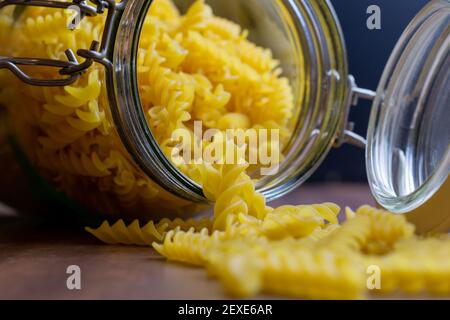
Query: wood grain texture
x=34 y=258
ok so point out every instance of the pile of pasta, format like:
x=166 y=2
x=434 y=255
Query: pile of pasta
x=301 y=251
x=199 y=67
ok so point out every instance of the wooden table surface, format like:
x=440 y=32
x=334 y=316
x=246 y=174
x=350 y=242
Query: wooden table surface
x=34 y=258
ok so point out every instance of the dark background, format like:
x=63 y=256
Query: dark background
x=368 y=52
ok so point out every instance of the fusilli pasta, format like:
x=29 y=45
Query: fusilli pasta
x=199 y=67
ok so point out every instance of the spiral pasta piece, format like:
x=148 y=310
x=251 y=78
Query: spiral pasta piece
x=259 y=58
x=119 y=233
x=165 y=10
x=236 y=195
x=416 y=266
x=328 y=211
x=188 y=247
x=291 y=221
x=172 y=96
x=238 y=267
x=186 y=225
x=387 y=229
x=352 y=236
x=323 y=274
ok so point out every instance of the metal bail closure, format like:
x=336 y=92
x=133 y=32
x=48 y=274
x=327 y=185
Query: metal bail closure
x=71 y=69
x=346 y=133
x=408 y=146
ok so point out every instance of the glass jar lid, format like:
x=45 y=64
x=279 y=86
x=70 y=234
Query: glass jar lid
x=408 y=147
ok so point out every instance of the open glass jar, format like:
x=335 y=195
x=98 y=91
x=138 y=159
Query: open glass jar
x=404 y=171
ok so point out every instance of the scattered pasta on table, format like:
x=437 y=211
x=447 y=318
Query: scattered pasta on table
x=199 y=67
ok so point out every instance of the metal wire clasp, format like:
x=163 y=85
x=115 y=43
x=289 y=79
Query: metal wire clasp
x=346 y=133
x=70 y=69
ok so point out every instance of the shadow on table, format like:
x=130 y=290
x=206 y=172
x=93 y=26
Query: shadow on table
x=36 y=229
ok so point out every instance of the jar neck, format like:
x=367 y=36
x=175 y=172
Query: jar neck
x=128 y=113
x=319 y=60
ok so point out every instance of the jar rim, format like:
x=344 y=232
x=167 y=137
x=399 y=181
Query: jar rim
x=128 y=114
x=331 y=78
x=408 y=79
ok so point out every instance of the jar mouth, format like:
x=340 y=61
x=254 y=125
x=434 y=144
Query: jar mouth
x=315 y=59
x=408 y=154
x=128 y=114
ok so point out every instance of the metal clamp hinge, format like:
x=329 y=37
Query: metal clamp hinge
x=70 y=69
x=346 y=133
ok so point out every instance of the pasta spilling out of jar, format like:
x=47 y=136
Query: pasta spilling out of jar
x=195 y=70
x=199 y=69
x=301 y=251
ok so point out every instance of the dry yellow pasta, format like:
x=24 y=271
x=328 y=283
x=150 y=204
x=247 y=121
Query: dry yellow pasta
x=186 y=73
x=416 y=266
x=199 y=67
x=386 y=229
x=119 y=233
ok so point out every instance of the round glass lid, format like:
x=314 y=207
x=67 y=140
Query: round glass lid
x=408 y=154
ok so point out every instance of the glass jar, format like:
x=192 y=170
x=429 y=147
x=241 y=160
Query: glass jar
x=405 y=174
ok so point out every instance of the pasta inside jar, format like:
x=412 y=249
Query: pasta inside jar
x=214 y=102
